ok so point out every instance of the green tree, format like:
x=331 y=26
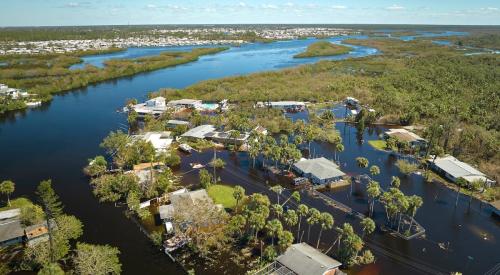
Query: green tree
x=290 y=218
x=7 y=187
x=474 y=186
x=295 y=196
x=314 y=218
x=253 y=150
x=362 y=162
x=237 y=224
x=277 y=189
x=373 y=191
x=285 y=240
x=273 y=228
x=302 y=211
x=51 y=269
x=460 y=182
x=277 y=209
x=205 y=178
x=374 y=170
x=270 y=253
x=415 y=202
x=395 y=182
x=96 y=259
x=326 y=222
x=97 y=166
x=238 y=194
x=52 y=208
x=368 y=226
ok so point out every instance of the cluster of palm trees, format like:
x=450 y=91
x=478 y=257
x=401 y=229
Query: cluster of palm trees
x=281 y=152
x=396 y=204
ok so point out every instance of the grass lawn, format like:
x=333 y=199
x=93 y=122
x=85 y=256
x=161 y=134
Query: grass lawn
x=378 y=144
x=15 y=203
x=222 y=194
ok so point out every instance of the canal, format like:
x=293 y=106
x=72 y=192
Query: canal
x=56 y=140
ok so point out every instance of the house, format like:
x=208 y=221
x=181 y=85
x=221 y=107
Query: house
x=303 y=259
x=172 y=123
x=161 y=141
x=181 y=199
x=319 y=170
x=185 y=104
x=452 y=169
x=284 y=105
x=413 y=139
x=155 y=107
x=198 y=132
x=11 y=230
x=226 y=138
x=38 y=233
x=351 y=101
x=260 y=130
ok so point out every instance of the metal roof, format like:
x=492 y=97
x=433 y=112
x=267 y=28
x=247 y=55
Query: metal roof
x=199 y=132
x=304 y=259
x=458 y=169
x=10 y=229
x=321 y=168
x=11 y=213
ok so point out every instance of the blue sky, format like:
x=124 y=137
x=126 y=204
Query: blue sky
x=104 y=12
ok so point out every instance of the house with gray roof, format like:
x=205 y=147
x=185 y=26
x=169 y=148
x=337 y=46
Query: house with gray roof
x=319 y=170
x=303 y=259
x=199 y=132
x=452 y=169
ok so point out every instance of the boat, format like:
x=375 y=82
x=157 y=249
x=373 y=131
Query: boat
x=185 y=148
x=175 y=243
x=33 y=104
x=197 y=165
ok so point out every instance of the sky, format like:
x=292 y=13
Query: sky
x=123 y=12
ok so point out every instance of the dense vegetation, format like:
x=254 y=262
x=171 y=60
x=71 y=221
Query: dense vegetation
x=323 y=48
x=45 y=75
x=412 y=82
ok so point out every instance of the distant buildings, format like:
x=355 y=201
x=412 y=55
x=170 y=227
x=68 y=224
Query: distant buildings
x=227 y=138
x=12 y=92
x=452 y=169
x=319 y=170
x=155 y=107
x=161 y=141
x=199 y=132
x=302 y=259
x=12 y=231
x=185 y=104
x=283 y=105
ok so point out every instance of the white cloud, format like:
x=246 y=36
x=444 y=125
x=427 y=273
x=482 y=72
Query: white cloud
x=491 y=9
x=339 y=7
x=242 y=4
x=269 y=6
x=151 y=6
x=289 y=4
x=395 y=8
x=76 y=4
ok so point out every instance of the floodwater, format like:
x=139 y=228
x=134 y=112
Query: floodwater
x=55 y=141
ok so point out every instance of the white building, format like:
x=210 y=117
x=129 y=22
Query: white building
x=284 y=105
x=452 y=169
x=161 y=140
x=319 y=170
x=155 y=106
x=199 y=132
x=185 y=104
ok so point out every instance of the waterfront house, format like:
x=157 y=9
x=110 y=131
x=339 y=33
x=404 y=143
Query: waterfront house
x=11 y=230
x=414 y=140
x=199 y=132
x=351 y=101
x=452 y=169
x=260 y=130
x=283 y=105
x=226 y=138
x=319 y=170
x=38 y=233
x=194 y=104
x=303 y=259
x=161 y=141
x=155 y=107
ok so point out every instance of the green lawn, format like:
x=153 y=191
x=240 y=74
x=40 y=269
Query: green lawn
x=15 y=203
x=378 y=144
x=222 y=194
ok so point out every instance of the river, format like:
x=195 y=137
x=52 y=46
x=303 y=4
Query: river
x=56 y=140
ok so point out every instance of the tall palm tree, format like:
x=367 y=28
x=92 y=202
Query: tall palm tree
x=277 y=189
x=277 y=209
x=238 y=194
x=326 y=222
x=339 y=147
x=460 y=182
x=368 y=226
x=373 y=192
x=302 y=211
x=362 y=162
x=290 y=217
x=273 y=228
x=314 y=218
x=374 y=170
x=7 y=187
x=415 y=202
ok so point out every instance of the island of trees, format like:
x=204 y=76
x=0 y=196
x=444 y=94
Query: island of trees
x=323 y=48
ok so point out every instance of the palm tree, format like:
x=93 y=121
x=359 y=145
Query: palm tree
x=373 y=191
x=257 y=221
x=362 y=162
x=285 y=239
x=235 y=134
x=302 y=210
x=374 y=170
x=460 y=182
x=368 y=226
x=277 y=189
x=7 y=187
x=253 y=150
x=326 y=222
x=238 y=194
x=290 y=218
x=277 y=209
x=415 y=202
x=339 y=147
x=295 y=195
x=474 y=186
x=274 y=228
x=314 y=216
x=395 y=182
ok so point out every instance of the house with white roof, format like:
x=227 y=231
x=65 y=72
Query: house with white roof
x=452 y=169
x=404 y=135
x=185 y=104
x=161 y=141
x=319 y=170
x=283 y=105
x=155 y=107
x=199 y=132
